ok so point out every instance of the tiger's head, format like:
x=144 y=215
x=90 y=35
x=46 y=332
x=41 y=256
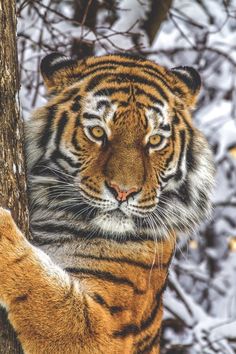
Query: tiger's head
x=116 y=147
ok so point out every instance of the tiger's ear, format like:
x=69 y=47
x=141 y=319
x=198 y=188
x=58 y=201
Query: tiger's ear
x=187 y=83
x=58 y=71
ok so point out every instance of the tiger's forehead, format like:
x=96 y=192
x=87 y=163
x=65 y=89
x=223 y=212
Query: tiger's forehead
x=96 y=109
x=123 y=92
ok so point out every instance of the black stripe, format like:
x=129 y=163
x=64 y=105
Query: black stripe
x=106 y=276
x=57 y=229
x=179 y=173
x=74 y=141
x=68 y=95
x=156 y=109
x=20 y=298
x=138 y=345
x=42 y=168
x=133 y=329
x=77 y=121
x=165 y=127
x=134 y=62
x=57 y=154
x=86 y=316
x=60 y=127
x=112 y=309
x=121 y=103
x=90 y=116
x=127 y=330
x=98 y=69
x=110 y=90
x=122 y=260
x=190 y=158
x=76 y=106
x=152 y=98
x=159 y=78
x=47 y=132
x=183 y=193
x=95 y=81
x=190 y=129
x=39 y=168
x=79 y=233
x=142 y=80
x=60 y=167
x=147 y=349
x=176 y=120
x=103 y=103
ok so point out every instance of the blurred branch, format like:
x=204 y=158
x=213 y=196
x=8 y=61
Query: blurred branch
x=158 y=13
x=176 y=50
x=85 y=13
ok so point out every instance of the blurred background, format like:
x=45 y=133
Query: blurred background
x=200 y=302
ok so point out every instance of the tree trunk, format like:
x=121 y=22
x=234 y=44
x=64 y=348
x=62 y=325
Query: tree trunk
x=12 y=164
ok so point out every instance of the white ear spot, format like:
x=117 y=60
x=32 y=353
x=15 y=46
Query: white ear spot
x=189 y=76
x=182 y=72
x=58 y=60
x=54 y=62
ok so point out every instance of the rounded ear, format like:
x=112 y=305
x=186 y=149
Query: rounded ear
x=188 y=81
x=57 y=70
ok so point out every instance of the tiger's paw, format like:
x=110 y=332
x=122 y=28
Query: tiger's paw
x=9 y=233
x=6 y=220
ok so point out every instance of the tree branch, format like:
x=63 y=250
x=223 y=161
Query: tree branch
x=158 y=13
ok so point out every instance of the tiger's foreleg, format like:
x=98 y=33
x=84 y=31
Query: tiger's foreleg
x=48 y=310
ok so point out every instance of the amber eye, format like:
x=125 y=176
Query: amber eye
x=155 y=140
x=97 y=132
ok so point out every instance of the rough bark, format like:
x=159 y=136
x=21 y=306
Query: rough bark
x=158 y=13
x=12 y=165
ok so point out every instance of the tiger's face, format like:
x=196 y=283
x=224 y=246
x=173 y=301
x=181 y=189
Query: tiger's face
x=127 y=142
x=118 y=132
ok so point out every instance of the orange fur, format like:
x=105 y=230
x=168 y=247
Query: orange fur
x=101 y=289
x=49 y=310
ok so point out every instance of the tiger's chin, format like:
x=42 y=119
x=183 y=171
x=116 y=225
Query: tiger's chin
x=114 y=222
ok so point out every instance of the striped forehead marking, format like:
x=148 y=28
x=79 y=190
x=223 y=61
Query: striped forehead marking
x=112 y=74
x=98 y=108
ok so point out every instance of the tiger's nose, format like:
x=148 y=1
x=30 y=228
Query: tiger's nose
x=122 y=194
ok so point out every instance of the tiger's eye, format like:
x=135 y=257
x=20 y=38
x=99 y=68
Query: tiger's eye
x=155 y=140
x=97 y=132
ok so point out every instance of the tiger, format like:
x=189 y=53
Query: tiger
x=116 y=169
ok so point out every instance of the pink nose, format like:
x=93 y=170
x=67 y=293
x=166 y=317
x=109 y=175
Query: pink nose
x=122 y=195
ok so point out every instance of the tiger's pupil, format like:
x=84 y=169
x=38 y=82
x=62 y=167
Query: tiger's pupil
x=97 y=132
x=155 y=140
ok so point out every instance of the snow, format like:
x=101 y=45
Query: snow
x=130 y=16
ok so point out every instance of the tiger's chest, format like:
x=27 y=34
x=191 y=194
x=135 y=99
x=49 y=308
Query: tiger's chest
x=125 y=280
